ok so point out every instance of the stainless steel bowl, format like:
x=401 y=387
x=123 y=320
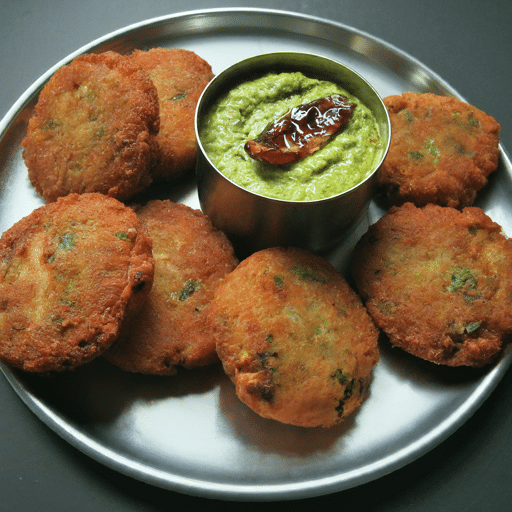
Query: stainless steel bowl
x=252 y=221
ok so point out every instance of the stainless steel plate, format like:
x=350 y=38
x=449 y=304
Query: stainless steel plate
x=189 y=433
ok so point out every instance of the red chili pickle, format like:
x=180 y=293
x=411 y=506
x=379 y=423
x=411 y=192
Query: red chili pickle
x=302 y=131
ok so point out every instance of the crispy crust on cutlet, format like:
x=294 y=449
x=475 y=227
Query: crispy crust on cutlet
x=438 y=281
x=442 y=150
x=191 y=259
x=180 y=77
x=294 y=338
x=93 y=129
x=69 y=273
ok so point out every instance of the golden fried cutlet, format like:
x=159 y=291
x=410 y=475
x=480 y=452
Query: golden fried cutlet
x=93 y=129
x=438 y=281
x=294 y=338
x=442 y=150
x=69 y=274
x=180 y=77
x=191 y=259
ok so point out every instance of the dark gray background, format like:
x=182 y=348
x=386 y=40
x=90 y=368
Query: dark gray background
x=466 y=42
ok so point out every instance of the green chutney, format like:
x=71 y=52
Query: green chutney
x=246 y=110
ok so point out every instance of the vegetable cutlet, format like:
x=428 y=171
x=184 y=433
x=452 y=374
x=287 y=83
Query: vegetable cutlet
x=442 y=150
x=191 y=259
x=70 y=272
x=438 y=281
x=179 y=77
x=294 y=338
x=93 y=129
